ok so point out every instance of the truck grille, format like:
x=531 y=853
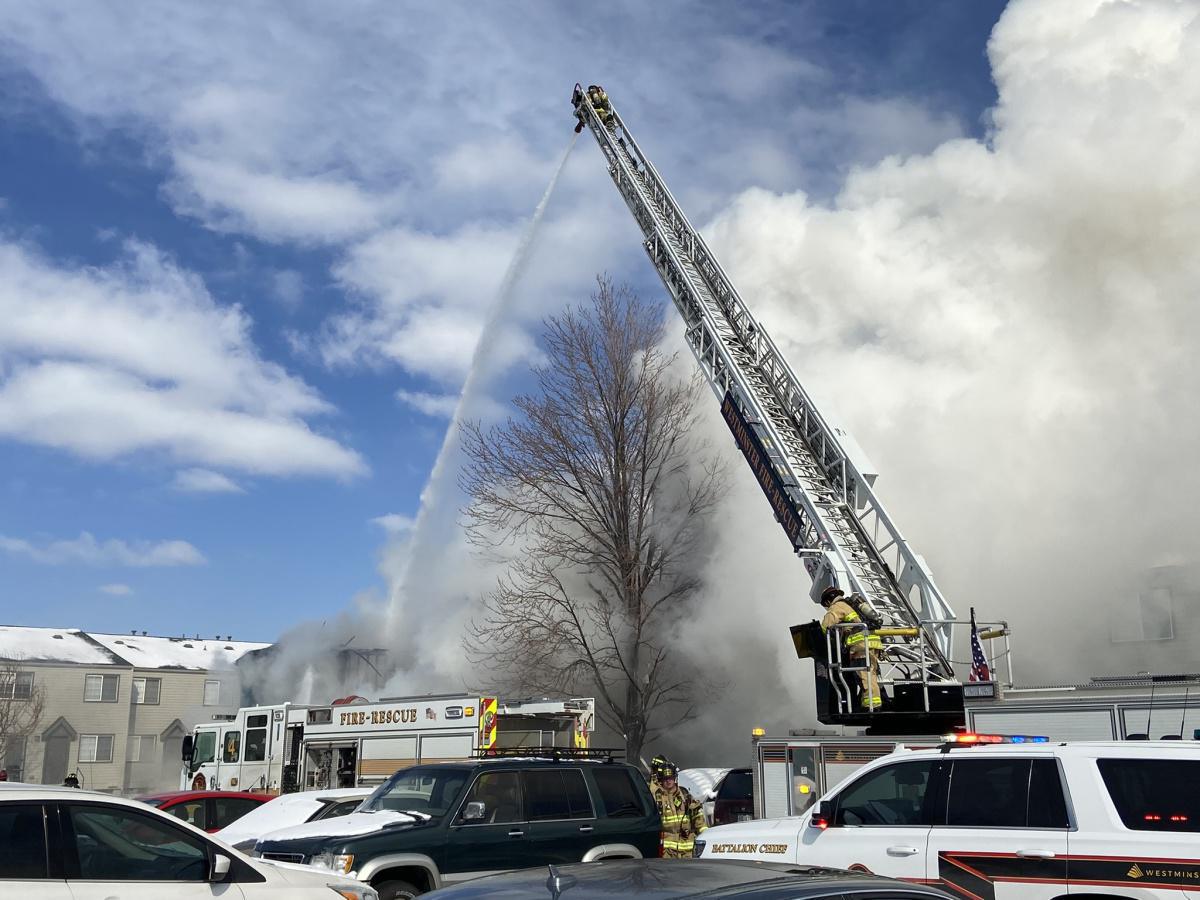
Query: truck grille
x=286 y=857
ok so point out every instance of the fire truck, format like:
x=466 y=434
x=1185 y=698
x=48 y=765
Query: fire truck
x=288 y=747
x=818 y=481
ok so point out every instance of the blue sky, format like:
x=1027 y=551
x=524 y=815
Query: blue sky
x=233 y=241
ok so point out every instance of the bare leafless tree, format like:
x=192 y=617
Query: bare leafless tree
x=595 y=497
x=22 y=702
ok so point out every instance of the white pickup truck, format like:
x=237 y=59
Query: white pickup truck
x=989 y=818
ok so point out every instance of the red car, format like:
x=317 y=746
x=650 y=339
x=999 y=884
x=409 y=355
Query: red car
x=207 y=810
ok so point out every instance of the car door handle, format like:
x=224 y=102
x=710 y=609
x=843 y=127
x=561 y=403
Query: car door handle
x=586 y=829
x=516 y=832
x=902 y=851
x=1036 y=854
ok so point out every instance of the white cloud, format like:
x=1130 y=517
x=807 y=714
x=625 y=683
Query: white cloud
x=231 y=198
x=205 y=481
x=394 y=523
x=306 y=126
x=138 y=356
x=288 y=287
x=86 y=550
x=439 y=406
x=116 y=590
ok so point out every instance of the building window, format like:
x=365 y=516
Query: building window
x=1151 y=618
x=100 y=688
x=212 y=693
x=95 y=748
x=141 y=748
x=16 y=685
x=147 y=690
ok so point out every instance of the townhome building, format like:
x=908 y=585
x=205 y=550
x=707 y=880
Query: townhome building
x=110 y=709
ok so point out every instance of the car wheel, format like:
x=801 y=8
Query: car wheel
x=397 y=890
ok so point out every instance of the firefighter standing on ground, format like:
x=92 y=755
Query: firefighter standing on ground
x=682 y=815
x=656 y=766
x=856 y=641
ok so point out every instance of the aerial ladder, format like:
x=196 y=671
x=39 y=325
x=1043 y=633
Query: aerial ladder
x=815 y=476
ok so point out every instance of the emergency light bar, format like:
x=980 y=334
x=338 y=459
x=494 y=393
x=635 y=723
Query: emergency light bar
x=971 y=737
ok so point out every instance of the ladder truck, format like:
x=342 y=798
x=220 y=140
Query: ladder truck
x=815 y=476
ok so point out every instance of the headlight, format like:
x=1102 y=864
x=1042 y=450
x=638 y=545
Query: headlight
x=334 y=862
x=354 y=891
x=697 y=849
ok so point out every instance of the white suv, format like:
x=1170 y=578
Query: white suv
x=1029 y=820
x=67 y=844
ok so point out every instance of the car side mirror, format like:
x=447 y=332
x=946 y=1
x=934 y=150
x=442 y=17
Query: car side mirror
x=187 y=748
x=822 y=816
x=474 y=811
x=220 y=867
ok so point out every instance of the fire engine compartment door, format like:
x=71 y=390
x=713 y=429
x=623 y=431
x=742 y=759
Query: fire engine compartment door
x=542 y=730
x=447 y=747
x=330 y=764
x=382 y=756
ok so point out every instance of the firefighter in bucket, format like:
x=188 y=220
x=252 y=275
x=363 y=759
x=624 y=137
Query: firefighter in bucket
x=861 y=645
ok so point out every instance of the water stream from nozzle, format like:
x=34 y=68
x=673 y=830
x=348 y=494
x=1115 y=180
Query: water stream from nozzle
x=482 y=362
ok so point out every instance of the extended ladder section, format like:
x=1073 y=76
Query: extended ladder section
x=810 y=471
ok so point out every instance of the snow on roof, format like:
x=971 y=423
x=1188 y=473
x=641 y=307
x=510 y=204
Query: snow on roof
x=152 y=652
x=69 y=645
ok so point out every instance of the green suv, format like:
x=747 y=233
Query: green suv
x=438 y=824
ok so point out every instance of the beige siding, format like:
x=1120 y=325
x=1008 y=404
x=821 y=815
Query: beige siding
x=181 y=698
x=64 y=685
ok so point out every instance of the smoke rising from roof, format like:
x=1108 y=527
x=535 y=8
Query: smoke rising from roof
x=1008 y=327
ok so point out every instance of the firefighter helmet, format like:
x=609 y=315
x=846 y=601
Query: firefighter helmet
x=830 y=594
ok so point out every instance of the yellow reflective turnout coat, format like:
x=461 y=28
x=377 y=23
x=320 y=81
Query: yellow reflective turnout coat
x=682 y=819
x=841 y=611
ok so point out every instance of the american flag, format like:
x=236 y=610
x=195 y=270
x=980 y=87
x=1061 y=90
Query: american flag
x=979 y=665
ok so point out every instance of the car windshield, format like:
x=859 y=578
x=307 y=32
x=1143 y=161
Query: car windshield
x=425 y=790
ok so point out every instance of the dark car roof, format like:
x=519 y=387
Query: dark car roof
x=658 y=879
x=519 y=761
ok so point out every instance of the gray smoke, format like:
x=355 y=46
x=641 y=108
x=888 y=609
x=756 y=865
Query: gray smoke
x=1008 y=327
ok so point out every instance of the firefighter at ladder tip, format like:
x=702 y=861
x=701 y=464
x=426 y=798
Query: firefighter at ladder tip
x=599 y=100
x=839 y=610
x=682 y=815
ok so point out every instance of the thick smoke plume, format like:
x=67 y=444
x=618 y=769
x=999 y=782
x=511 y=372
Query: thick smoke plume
x=1008 y=327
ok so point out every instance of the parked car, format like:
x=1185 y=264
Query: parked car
x=659 y=879
x=291 y=809
x=207 y=810
x=436 y=824
x=986 y=815
x=59 y=843
x=727 y=795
